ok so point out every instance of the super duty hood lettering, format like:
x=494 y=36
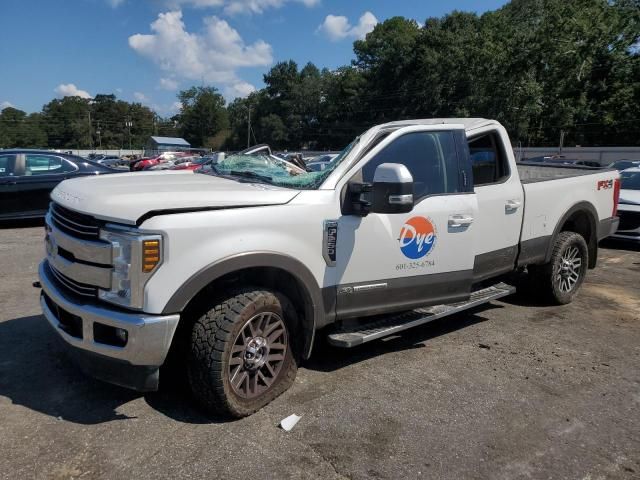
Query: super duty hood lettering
x=133 y=197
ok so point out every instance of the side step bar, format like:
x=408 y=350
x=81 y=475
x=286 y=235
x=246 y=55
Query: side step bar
x=353 y=335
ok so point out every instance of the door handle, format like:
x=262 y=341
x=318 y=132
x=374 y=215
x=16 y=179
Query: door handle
x=460 y=220
x=512 y=206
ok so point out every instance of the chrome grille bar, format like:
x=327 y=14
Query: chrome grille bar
x=76 y=287
x=74 y=223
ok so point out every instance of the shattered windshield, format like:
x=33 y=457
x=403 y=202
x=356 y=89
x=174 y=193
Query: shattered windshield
x=269 y=169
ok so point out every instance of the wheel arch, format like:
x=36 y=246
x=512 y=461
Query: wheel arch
x=267 y=269
x=581 y=218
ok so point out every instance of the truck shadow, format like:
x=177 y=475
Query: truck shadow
x=36 y=373
x=617 y=244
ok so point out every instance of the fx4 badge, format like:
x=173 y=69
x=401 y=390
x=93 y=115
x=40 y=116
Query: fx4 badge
x=605 y=184
x=330 y=242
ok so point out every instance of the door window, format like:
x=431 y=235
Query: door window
x=38 y=164
x=430 y=157
x=488 y=160
x=6 y=165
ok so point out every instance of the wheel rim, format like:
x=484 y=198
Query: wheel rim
x=569 y=269
x=257 y=354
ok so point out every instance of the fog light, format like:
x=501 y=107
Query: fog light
x=122 y=335
x=108 y=335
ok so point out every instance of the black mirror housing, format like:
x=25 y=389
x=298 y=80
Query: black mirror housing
x=392 y=189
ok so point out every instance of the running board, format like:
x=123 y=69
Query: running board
x=353 y=335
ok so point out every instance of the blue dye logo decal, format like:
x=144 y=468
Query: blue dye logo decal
x=417 y=237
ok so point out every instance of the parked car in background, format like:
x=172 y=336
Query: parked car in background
x=319 y=163
x=172 y=163
x=629 y=205
x=624 y=164
x=28 y=176
x=145 y=163
x=113 y=161
x=199 y=162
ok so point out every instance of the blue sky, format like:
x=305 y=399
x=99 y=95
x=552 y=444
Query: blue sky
x=146 y=50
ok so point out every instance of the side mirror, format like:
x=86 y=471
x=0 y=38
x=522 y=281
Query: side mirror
x=392 y=189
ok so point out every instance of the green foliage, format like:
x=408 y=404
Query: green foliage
x=203 y=115
x=74 y=122
x=538 y=66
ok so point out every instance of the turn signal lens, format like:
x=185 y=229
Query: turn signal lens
x=150 y=255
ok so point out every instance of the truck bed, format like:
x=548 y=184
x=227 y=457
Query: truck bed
x=532 y=172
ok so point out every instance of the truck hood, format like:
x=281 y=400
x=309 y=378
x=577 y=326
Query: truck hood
x=127 y=197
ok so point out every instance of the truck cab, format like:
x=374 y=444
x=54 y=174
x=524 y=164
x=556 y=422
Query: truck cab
x=236 y=270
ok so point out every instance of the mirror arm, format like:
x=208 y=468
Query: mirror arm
x=360 y=206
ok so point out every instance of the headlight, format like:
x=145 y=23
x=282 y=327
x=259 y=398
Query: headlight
x=135 y=258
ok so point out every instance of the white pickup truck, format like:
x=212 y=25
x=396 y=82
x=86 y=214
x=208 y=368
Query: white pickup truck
x=235 y=270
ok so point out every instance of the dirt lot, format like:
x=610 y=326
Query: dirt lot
x=510 y=390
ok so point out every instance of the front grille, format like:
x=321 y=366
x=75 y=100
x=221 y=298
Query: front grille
x=70 y=284
x=74 y=223
x=629 y=220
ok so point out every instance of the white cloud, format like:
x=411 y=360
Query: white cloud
x=239 y=89
x=70 y=90
x=168 y=84
x=119 y=90
x=175 y=107
x=337 y=27
x=141 y=97
x=258 y=6
x=5 y=104
x=212 y=55
x=233 y=7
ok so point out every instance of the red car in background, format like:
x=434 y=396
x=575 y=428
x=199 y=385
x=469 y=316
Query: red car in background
x=163 y=157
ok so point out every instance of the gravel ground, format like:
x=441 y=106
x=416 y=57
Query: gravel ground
x=509 y=390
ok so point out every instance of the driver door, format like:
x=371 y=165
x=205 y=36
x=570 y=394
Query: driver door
x=400 y=261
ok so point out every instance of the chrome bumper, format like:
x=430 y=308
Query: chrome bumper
x=149 y=336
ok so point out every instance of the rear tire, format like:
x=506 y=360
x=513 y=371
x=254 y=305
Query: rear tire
x=559 y=280
x=242 y=352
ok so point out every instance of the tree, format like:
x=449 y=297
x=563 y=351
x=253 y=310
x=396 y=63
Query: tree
x=203 y=115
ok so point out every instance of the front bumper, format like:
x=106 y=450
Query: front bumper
x=75 y=319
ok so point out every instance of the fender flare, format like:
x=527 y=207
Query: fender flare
x=592 y=215
x=316 y=314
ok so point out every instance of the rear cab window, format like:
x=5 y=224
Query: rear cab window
x=488 y=159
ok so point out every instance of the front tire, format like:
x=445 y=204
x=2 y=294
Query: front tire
x=242 y=353
x=559 y=280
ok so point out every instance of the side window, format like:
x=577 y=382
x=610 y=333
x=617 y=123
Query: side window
x=488 y=160
x=38 y=164
x=430 y=157
x=7 y=163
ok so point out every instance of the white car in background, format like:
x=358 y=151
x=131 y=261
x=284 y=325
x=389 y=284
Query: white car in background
x=319 y=163
x=629 y=206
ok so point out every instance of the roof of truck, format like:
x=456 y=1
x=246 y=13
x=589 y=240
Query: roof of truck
x=469 y=123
